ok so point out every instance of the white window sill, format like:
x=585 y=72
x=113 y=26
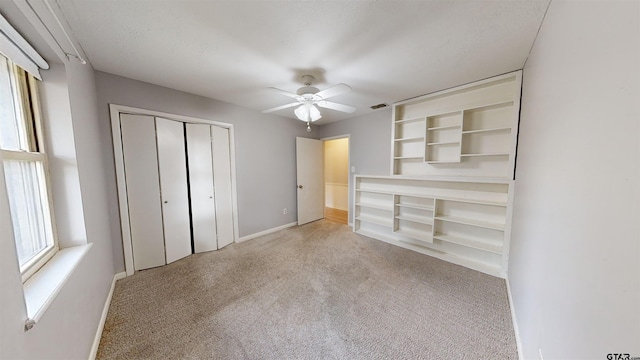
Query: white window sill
x=41 y=289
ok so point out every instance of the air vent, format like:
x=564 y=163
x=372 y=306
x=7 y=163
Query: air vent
x=379 y=106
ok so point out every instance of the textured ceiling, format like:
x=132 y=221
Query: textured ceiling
x=386 y=51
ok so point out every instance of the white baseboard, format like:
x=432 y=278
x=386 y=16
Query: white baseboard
x=266 y=232
x=103 y=318
x=515 y=321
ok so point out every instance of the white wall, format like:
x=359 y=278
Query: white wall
x=265 y=151
x=574 y=269
x=68 y=327
x=369 y=143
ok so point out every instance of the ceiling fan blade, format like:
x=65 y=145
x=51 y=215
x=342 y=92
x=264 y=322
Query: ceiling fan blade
x=334 y=91
x=280 y=108
x=335 y=106
x=285 y=93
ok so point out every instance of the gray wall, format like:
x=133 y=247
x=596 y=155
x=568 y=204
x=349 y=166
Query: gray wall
x=574 y=267
x=68 y=327
x=265 y=151
x=369 y=144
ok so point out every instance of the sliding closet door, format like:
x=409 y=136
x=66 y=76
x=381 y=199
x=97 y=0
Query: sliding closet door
x=143 y=190
x=222 y=188
x=173 y=185
x=203 y=211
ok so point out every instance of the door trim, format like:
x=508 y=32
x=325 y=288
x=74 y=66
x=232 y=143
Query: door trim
x=115 y=110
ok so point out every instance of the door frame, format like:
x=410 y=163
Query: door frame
x=115 y=110
x=349 y=175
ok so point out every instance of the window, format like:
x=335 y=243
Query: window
x=25 y=168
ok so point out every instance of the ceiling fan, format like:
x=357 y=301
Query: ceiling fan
x=307 y=97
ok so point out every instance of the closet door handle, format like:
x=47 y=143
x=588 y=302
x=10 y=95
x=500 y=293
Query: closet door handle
x=299 y=186
x=166 y=201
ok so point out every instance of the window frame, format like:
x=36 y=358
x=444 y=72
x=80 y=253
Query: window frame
x=28 y=109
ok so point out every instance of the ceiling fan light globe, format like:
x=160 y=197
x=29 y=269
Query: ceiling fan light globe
x=302 y=112
x=314 y=113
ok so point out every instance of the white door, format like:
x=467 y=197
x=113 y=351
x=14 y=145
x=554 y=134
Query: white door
x=222 y=185
x=173 y=189
x=310 y=173
x=203 y=211
x=143 y=190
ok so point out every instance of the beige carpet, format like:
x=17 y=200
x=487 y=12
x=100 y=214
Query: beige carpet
x=316 y=291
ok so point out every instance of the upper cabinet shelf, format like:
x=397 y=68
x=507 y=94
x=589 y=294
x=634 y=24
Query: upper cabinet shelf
x=469 y=130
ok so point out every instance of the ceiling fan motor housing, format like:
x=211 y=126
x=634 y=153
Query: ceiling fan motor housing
x=307 y=90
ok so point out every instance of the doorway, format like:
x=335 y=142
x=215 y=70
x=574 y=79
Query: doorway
x=336 y=179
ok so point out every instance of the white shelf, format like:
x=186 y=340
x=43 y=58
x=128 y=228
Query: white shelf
x=469 y=131
x=418 y=207
x=444 y=127
x=453 y=161
x=375 y=220
x=445 y=198
x=494 y=104
x=481 y=131
x=428 y=196
x=473 y=263
x=416 y=235
x=430 y=249
x=375 y=191
x=410 y=120
x=462 y=109
x=454 y=201
x=474 y=201
x=472 y=222
x=476 y=244
x=374 y=206
x=418 y=138
x=444 y=143
x=416 y=219
x=487 y=154
x=421 y=196
x=409 y=158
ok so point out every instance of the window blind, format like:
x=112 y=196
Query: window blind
x=16 y=48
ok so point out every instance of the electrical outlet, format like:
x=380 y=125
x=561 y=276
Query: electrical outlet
x=284 y=211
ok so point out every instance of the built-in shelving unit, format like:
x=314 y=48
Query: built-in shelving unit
x=452 y=165
x=465 y=221
x=465 y=131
